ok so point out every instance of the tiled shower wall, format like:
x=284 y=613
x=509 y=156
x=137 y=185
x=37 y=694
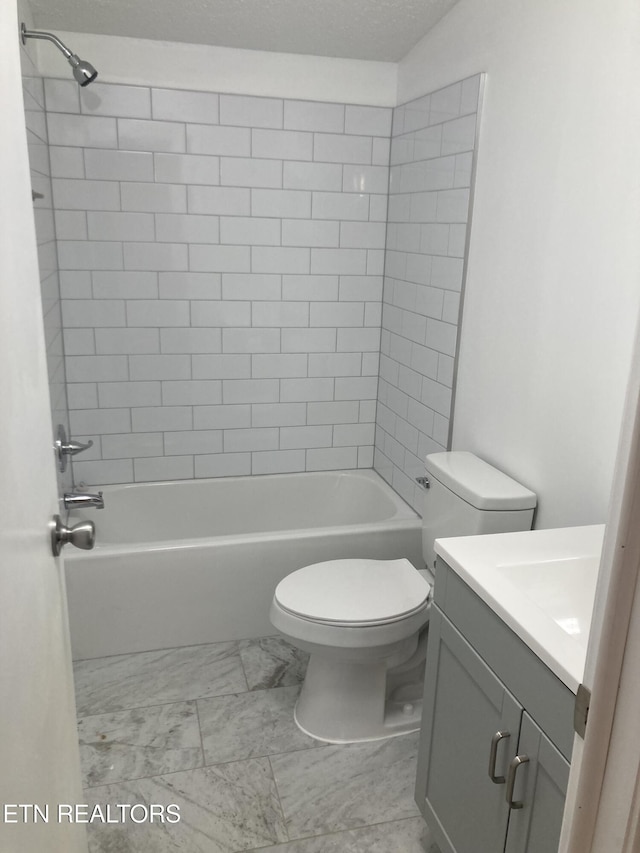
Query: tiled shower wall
x=221 y=265
x=432 y=148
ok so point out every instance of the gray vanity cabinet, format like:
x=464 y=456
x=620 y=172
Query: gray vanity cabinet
x=478 y=715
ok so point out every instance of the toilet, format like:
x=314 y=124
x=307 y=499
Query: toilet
x=364 y=622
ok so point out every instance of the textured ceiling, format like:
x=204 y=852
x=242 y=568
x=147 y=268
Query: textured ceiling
x=383 y=30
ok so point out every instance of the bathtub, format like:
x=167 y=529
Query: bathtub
x=184 y=563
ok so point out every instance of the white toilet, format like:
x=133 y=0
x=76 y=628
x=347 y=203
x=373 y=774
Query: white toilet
x=364 y=622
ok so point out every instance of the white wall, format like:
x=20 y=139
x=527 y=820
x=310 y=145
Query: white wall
x=552 y=291
x=222 y=69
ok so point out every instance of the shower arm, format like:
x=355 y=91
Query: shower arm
x=38 y=34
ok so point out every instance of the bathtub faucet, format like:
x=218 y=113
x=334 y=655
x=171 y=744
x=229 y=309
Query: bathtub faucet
x=72 y=500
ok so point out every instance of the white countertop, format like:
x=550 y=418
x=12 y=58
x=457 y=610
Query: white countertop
x=541 y=583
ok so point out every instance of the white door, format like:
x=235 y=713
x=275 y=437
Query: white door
x=39 y=762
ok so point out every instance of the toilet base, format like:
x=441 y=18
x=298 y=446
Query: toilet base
x=351 y=702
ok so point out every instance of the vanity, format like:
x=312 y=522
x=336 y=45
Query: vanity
x=507 y=644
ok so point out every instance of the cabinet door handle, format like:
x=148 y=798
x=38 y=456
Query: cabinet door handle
x=511 y=781
x=493 y=753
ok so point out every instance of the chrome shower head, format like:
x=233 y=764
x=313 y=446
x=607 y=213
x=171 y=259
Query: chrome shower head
x=83 y=71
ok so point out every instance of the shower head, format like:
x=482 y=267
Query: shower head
x=83 y=71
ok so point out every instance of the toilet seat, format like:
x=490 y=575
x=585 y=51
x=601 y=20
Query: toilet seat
x=354 y=593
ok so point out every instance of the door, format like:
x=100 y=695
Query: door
x=465 y=707
x=38 y=741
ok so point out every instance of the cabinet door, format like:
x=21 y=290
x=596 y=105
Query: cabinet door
x=541 y=786
x=464 y=706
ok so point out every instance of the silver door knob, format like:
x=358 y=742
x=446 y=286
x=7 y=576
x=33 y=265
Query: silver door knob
x=82 y=535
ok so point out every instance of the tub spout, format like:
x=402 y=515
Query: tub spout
x=72 y=500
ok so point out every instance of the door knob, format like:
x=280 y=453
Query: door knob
x=82 y=535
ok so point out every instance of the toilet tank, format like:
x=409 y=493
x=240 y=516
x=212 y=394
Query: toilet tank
x=467 y=496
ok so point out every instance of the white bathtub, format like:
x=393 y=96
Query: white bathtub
x=183 y=563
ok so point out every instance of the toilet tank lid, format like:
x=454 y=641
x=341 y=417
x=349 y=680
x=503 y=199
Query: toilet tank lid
x=477 y=482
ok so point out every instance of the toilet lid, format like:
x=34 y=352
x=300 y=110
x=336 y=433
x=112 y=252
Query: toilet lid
x=359 y=592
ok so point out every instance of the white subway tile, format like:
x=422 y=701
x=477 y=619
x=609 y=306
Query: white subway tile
x=381 y=152
x=442 y=336
x=446 y=368
x=463 y=169
x=306 y=390
x=277 y=461
x=221 y=417
x=79 y=342
x=282 y=144
x=278 y=365
x=250 y=112
x=207 y=258
x=159 y=367
x=189 y=285
x=82 y=131
x=187 y=169
x=436 y=396
x=187 y=442
x=119 y=165
x=338 y=148
x=254 y=231
x=114 y=395
x=219 y=200
x=457 y=238
x=223 y=465
x=312 y=176
x=429 y=301
x=251 y=286
x=99 y=421
x=335 y=364
x=250 y=390
x=336 y=314
x=251 y=340
x=238 y=440
x=140 y=135
x=423 y=207
x=281 y=203
x=169 y=198
x=345 y=435
x=124 y=285
x=161 y=418
x=82 y=395
x=418 y=268
x=192 y=393
x=355 y=288
x=120 y=226
x=308 y=340
x=220 y=313
x=155 y=256
x=363 y=235
x=250 y=172
x=279 y=314
x=92 y=312
x=445 y=103
x=307 y=287
x=424 y=360
x=131 y=444
x=356 y=388
x=365 y=179
x=459 y=135
x=103 y=473
x=447 y=273
x=187 y=228
x=470 y=94
x=127 y=341
x=312 y=115
x=89 y=255
x=451 y=307
x=70 y=225
x=305 y=436
x=333 y=412
x=409 y=381
x=301 y=232
x=278 y=414
x=370 y=121
x=332 y=458
x=209 y=366
x=108 y=99
x=163 y=468
x=157 y=312
x=340 y=206
x=419 y=416
x=378 y=208
x=190 y=341
x=179 y=105
x=235 y=141
x=66 y=162
x=373 y=314
x=85 y=195
x=96 y=368
x=61 y=96
x=269 y=259
x=338 y=261
x=453 y=205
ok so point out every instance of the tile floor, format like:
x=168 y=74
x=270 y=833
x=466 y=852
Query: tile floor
x=211 y=729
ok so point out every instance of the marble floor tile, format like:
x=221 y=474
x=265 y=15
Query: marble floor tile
x=154 y=678
x=401 y=836
x=272 y=662
x=251 y=724
x=127 y=745
x=223 y=809
x=344 y=787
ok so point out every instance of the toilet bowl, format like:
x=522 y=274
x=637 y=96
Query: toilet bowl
x=364 y=622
